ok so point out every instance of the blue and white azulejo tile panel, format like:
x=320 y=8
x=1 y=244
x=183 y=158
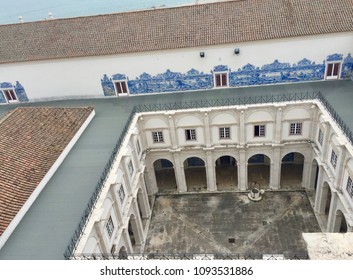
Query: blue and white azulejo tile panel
x=248 y=75
x=18 y=88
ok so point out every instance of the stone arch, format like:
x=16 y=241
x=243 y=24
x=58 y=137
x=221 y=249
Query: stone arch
x=296 y=113
x=226 y=173
x=122 y=254
x=314 y=176
x=133 y=232
x=189 y=120
x=260 y=115
x=324 y=202
x=259 y=168
x=107 y=206
x=222 y=118
x=91 y=245
x=195 y=174
x=292 y=166
x=340 y=222
x=165 y=175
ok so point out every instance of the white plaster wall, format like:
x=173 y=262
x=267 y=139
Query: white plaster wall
x=166 y=138
x=78 y=77
x=234 y=135
x=306 y=128
x=200 y=140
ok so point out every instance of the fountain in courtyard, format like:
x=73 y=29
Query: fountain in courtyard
x=255 y=194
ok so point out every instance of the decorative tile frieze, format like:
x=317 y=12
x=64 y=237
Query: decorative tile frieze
x=334 y=57
x=18 y=88
x=347 y=67
x=248 y=75
x=108 y=86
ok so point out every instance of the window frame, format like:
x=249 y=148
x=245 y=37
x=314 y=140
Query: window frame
x=349 y=186
x=121 y=85
x=10 y=92
x=295 y=128
x=261 y=127
x=224 y=132
x=157 y=137
x=138 y=147
x=333 y=159
x=320 y=137
x=332 y=65
x=221 y=79
x=190 y=134
x=121 y=194
x=109 y=227
x=130 y=167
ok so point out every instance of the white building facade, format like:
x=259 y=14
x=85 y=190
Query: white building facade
x=198 y=47
x=260 y=142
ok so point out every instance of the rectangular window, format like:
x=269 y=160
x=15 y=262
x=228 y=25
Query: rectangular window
x=224 y=133
x=138 y=147
x=121 y=87
x=332 y=70
x=295 y=128
x=333 y=159
x=110 y=226
x=259 y=130
x=320 y=137
x=349 y=187
x=121 y=193
x=10 y=95
x=157 y=136
x=221 y=80
x=190 y=134
x=130 y=167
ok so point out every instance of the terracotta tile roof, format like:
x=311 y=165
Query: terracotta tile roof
x=31 y=139
x=172 y=28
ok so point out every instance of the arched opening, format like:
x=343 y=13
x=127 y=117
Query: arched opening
x=226 y=173
x=326 y=200
x=259 y=166
x=340 y=223
x=195 y=174
x=122 y=253
x=292 y=171
x=314 y=174
x=165 y=176
x=133 y=232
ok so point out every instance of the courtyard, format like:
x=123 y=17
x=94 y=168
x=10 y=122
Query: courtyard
x=229 y=223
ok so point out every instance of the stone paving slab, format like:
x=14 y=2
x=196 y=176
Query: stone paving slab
x=230 y=223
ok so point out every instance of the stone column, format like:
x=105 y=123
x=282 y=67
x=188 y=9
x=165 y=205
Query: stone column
x=172 y=131
x=101 y=239
x=307 y=166
x=143 y=198
x=210 y=172
x=278 y=127
x=340 y=169
x=151 y=176
x=126 y=240
x=325 y=143
x=275 y=172
x=318 y=194
x=242 y=130
x=207 y=130
x=179 y=173
x=242 y=171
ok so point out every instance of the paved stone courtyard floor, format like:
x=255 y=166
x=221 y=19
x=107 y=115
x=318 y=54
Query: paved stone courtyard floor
x=229 y=223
